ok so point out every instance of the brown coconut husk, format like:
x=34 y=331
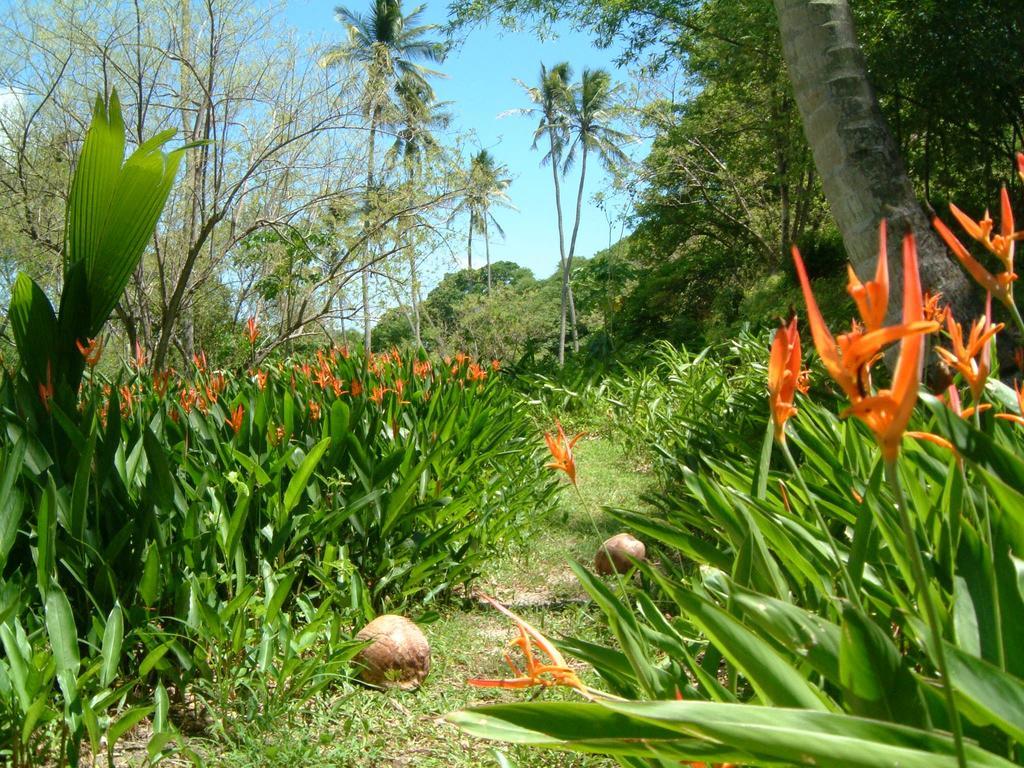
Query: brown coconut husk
x=397 y=657
x=613 y=556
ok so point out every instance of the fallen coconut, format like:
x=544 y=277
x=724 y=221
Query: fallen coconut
x=614 y=555
x=397 y=657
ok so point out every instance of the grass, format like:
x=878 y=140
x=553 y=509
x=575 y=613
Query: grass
x=358 y=727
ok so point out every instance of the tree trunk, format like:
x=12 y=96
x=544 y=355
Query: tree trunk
x=567 y=270
x=856 y=156
x=487 y=253
x=367 y=260
x=555 y=157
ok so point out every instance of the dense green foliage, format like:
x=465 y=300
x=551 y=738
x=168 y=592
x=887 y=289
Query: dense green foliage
x=194 y=530
x=741 y=608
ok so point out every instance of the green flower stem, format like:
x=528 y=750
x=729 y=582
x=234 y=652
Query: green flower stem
x=924 y=597
x=852 y=593
x=1015 y=314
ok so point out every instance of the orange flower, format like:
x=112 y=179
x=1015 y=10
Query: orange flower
x=314 y=410
x=261 y=379
x=377 y=395
x=783 y=376
x=872 y=297
x=887 y=411
x=536 y=672
x=421 y=369
x=235 y=419
x=930 y=438
x=1001 y=285
x=252 y=331
x=848 y=359
x=140 y=356
x=90 y=351
x=200 y=361
x=46 y=390
x=561 y=451
x=932 y=309
x=970 y=358
x=1020 y=165
x=495 y=364
x=357 y=388
x=1000 y=246
x=1020 y=406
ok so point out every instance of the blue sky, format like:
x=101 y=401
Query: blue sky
x=480 y=83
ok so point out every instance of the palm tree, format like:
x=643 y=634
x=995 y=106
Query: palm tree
x=551 y=98
x=857 y=158
x=387 y=44
x=590 y=110
x=419 y=115
x=488 y=185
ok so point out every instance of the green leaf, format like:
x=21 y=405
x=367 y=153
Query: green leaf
x=125 y=723
x=298 y=481
x=112 y=211
x=876 y=683
x=46 y=534
x=35 y=330
x=149 y=586
x=774 y=677
x=60 y=627
x=281 y=591
x=986 y=694
x=19 y=664
x=113 y=636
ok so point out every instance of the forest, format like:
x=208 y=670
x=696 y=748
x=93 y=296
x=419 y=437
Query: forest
x=513 y=383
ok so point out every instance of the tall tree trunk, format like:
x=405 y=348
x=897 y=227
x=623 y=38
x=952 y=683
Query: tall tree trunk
x=567 y=270
x=367 y=254
x=469 y=245
x=566 y=299
x=487 y=253
x=856 y=156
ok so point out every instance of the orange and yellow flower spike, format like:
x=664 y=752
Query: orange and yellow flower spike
x=536 y=672
x=872 y=297
x=1000 y=286
x=969 y=358
x=783 y=376
x=561 y=452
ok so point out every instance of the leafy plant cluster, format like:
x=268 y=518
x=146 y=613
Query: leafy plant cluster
x=739 y=646
x=213 y=536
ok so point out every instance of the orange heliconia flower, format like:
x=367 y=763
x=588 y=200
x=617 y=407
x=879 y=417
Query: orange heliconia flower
x=252 y=331
x=561 y=452
x=357 y=388
x=932 y=309
x=872 y=297
x=1020 y=406
x=199 y=359
x=378 y=392
x=495 y=364
x=314 y=410
x=46 y=389
x=536 y=672
x=140 y=356
x=848 y=359
x=970 y=358
x=235 y=419
x=1001 y=246
x=91 y=351
x=783 y=376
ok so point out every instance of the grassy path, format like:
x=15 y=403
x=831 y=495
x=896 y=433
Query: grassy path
x=365 y=728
